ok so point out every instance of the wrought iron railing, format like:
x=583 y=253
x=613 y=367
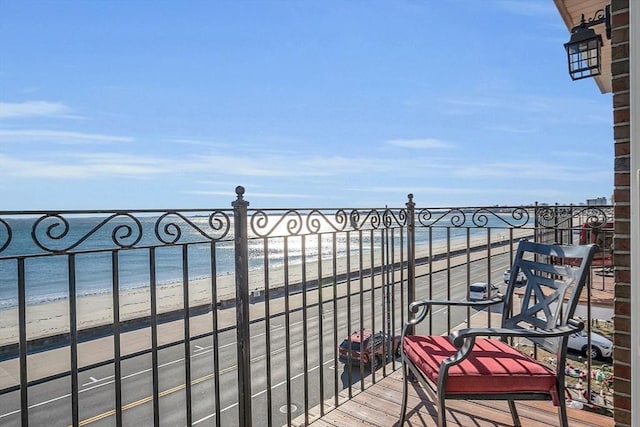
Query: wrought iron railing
x=235 y=317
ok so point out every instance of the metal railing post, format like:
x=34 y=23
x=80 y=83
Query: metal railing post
x=557 y=234
x=536 y=224
x=411 y=254
x=242 y=307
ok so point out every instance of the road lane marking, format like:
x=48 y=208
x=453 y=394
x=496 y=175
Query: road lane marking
x=233 y=405
x=99 y=382
x=180 y=387
x=109 y=379
x=207 y=349
x=143 y=401
x=204 y=350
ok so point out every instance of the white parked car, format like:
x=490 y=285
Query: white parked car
x=600 y=346
x=520 y=278
x=480 y=291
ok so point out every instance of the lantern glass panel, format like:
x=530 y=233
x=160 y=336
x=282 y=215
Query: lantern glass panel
x=584 y=58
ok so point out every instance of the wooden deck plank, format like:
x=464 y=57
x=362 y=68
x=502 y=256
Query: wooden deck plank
x=369 y=414
x=379 y=406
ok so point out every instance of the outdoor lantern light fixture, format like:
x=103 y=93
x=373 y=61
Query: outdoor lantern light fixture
x=583 y=49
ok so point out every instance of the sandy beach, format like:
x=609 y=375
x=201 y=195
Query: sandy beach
x=52 y=318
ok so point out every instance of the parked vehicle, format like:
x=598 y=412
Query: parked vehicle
x=600 y=346
x=480 y=291
x=521 y=278
x=368 y=347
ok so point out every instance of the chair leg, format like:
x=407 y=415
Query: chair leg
x=514 y=413
x=405 y=392
x=442 y=416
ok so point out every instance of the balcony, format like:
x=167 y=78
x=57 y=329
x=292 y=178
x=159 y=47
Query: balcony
x=379 y=406
x=234 y=317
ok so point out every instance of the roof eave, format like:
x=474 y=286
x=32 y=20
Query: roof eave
x=571 y=19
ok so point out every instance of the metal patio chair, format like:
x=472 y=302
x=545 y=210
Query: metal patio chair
x=479 y=363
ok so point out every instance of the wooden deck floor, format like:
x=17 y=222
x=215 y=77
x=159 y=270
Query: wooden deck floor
x=379 y=406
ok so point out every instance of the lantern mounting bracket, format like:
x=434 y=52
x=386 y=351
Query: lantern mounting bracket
x=602 y=16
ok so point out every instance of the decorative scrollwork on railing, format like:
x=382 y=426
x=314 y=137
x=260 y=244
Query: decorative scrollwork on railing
x=54 y=228
x=546 y=214
x=371 y=219
x=316 y=219
x=5 y=235
x=484 y=217
x=455 y=217
x=394 y=219
x=169 y=231
x=565 y=216
x=290 y=219
x=359 y=220
x=69 y=231
x=293 y=222
x=374 y=219
x=596 y=217
x=219 y=221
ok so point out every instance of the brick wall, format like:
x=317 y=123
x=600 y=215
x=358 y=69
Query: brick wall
x=622 y=210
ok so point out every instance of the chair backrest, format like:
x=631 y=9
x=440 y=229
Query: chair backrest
x=555 y=275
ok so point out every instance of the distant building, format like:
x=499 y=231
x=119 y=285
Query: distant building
x=598 y=201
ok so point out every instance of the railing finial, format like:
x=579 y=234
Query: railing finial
x=410 y=202
x=240 y=201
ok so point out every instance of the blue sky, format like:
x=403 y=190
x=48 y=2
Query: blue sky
x=157 y=104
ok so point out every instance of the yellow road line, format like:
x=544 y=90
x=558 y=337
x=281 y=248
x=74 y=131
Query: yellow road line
x=149 y=398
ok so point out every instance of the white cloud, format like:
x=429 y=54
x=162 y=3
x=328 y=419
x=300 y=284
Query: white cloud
x=221 y=183
x=212 y=171
x=59 y=137
x=536 y=171
x=96 y=164
x=574 y=154
x=426 y=143
x=283 y=166
x=416 y=189
x=12 y=110
x=83 y=166
x=36 y=168
x=255 y=195
x=553 y=109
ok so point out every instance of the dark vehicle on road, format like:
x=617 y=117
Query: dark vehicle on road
x=368 y=347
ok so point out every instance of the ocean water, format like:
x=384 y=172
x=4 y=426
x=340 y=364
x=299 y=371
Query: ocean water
x=46 y=273
x=46 y=277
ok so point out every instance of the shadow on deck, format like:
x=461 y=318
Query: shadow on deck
x=379 y=406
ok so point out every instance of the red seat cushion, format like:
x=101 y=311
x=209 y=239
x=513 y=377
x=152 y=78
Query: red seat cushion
x=492 y=367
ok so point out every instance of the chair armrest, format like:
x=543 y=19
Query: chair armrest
x=464 y=339
x=459 y=337
x=416 y=305
x=425 y=305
